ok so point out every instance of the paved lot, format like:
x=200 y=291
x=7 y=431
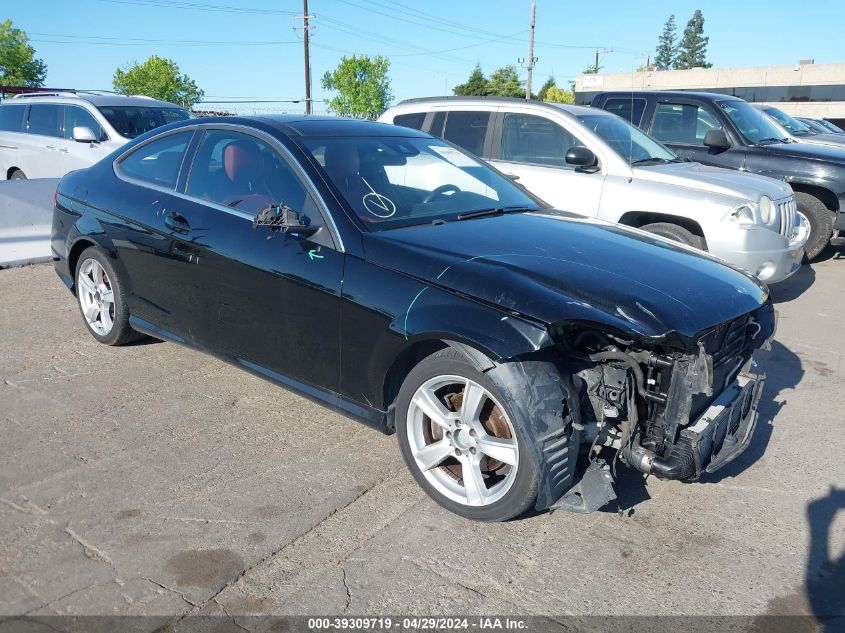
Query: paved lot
x=155 y=480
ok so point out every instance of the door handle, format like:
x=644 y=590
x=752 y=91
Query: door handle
x=52 y=147
x=177 y=222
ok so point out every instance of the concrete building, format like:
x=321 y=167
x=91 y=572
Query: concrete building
x=805 y=89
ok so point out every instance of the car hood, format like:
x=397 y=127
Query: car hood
x=551 y=267
x=727 y=182
x=811 y=151
x=823 y=139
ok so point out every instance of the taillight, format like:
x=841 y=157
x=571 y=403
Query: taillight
x=56 y=198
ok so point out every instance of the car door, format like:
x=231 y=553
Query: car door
x=268 y=299
x=682 y=125
x=41 y=149
x=12 y=120
x=140 y=227
x=533 y=148
x=79 y=155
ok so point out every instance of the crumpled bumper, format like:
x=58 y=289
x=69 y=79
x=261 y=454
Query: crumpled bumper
x=724 y=430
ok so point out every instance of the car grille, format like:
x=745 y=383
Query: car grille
x=788 y=212
x=729 y=344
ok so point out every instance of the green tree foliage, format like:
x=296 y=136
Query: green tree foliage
x=475 y=86
x=362 y=85
x=666 y=46
x=158 y=78
x=18 y=64
x=505 y=82
x=556 y=95
x=593 y=69
x=692 y=51
x=544 y=89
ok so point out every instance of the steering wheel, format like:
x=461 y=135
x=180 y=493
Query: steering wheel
x=440 y=191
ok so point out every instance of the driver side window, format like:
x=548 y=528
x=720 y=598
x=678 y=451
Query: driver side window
x=243 y=172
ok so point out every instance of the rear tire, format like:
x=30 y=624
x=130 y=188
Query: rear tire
x=101 y=298
x=479 y=464
x=821 y=223
x=676 y=233
x=17 y=174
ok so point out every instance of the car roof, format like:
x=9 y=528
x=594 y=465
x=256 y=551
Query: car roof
x=309 y=126
x=498 y=101
x=95 y=99
x=670 y=93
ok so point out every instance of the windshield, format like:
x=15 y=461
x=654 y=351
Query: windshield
x=793 y=126
x=631 y=143
x=751 y=123
x=815 y=126
x=394 y=181
x=132 y=121
x=830 y=126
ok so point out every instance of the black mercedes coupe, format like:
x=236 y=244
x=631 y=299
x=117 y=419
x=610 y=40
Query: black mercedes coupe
x=401 y=281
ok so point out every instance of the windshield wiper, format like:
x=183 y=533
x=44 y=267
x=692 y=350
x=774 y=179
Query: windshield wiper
x=654 y=160
x=769 y=141
x=481 y=213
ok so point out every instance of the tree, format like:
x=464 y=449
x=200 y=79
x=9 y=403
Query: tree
x=593 y=69
x=18 y=64
x=544 y=89
x=505 y=82
x=667 y=48
x=692 y=51
x=556 y=95
x=362 y=84
x=158 y=78
x=475 y=86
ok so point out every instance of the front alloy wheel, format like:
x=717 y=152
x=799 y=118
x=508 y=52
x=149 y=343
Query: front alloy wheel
x=461 y=441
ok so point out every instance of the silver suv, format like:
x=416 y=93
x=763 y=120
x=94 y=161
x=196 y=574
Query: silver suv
x=594 y=163
x=47 y=134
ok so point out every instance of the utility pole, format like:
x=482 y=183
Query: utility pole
x=531 y=59
x=305 y=29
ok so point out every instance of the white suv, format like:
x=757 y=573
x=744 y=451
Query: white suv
x=594 y=163
x=47 y=134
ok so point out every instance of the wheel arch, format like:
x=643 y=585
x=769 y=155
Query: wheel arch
x=12 y=170
x=638 y=219
x=826 y=196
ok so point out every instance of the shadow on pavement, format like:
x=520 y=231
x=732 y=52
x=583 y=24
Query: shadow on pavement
x=825 y=576
x=795 y=286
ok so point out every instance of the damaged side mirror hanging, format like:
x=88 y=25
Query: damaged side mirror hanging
x=280 y=217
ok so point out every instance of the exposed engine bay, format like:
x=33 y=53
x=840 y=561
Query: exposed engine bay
x=670 y=407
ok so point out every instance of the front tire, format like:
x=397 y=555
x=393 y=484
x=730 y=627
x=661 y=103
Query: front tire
x=461 y=441
x=821 y=223
x=101 y=298
x=676 y=233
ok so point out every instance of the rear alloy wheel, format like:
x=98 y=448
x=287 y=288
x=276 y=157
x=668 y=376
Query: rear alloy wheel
x=820 y=219
x=676 y=233
x=460 y=442
x=17 y=175
x=100 y=296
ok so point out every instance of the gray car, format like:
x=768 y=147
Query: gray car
x=594 y=163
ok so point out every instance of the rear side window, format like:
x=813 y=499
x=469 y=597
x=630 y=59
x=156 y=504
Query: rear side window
x=527 y=138
x=45 y=119
x=413 y=120
x=467 y=130
x=132 y=121
x=80 y=117
x=11 y=118
x=682 y=123
x=631 y=109
x=157 y=162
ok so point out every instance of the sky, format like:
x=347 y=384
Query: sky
x=249 y=50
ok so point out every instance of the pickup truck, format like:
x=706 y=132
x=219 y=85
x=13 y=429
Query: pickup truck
x=724 y=131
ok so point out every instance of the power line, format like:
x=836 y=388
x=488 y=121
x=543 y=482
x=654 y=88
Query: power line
x=198 y=6
x=132 y=41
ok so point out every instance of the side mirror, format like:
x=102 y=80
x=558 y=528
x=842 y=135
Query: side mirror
x=280 y=217
x=582 y=157
x=717 y=139
x=82 y=134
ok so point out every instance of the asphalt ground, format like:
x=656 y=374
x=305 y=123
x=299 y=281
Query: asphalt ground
x=154 y=480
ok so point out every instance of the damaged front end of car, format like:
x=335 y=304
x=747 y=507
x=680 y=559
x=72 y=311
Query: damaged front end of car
x=671 y=406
